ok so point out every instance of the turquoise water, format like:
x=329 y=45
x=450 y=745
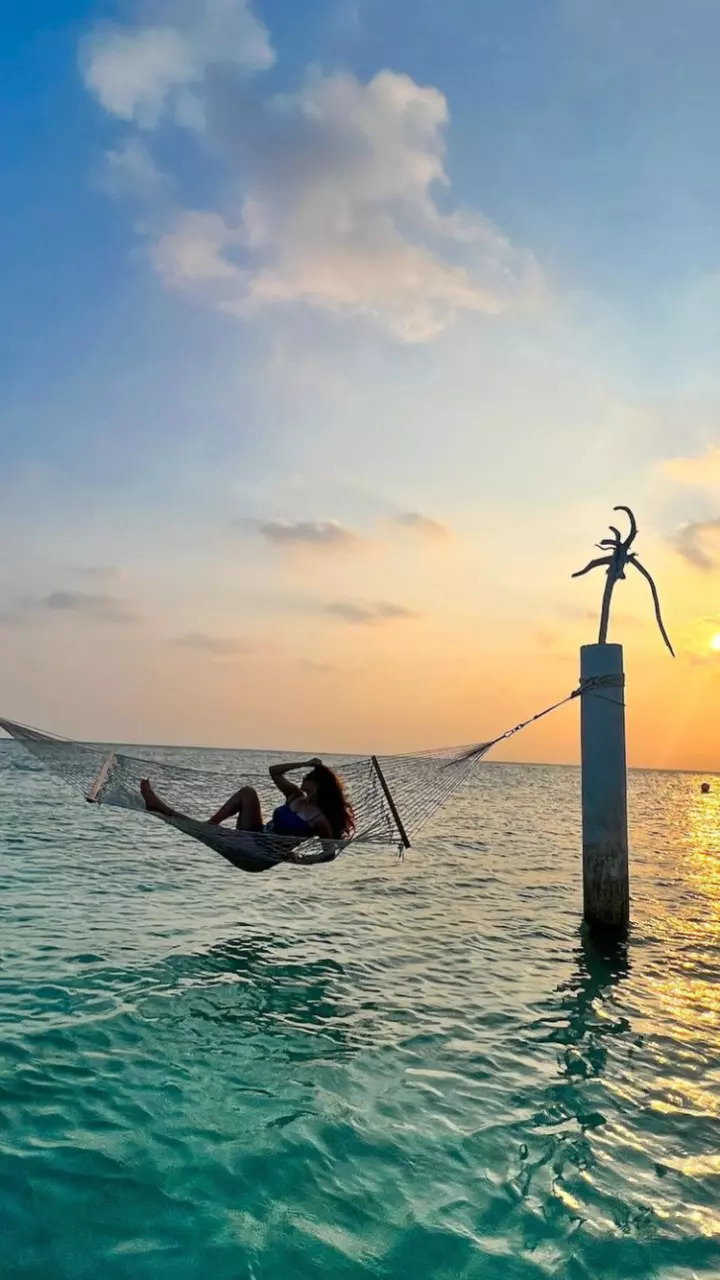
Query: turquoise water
x=373 y=1068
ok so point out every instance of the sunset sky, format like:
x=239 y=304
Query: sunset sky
x=331 y=333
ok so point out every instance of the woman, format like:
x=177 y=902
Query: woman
x=317 y=808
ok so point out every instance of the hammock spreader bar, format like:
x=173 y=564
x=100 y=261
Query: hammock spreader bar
x=391 y=803
x=99 y=783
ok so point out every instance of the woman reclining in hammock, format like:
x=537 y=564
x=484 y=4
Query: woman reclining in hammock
x=317 y=808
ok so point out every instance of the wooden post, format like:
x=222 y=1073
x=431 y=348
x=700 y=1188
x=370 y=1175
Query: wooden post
x=606 y=884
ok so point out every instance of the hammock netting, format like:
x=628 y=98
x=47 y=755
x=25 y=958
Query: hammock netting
x=392 y=796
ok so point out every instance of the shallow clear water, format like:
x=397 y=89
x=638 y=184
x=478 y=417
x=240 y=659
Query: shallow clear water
x=371 y=1068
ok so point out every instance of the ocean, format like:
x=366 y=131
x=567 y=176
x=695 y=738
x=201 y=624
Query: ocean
x=374 y=1068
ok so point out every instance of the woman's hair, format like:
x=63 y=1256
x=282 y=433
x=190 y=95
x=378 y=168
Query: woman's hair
x=332 y=801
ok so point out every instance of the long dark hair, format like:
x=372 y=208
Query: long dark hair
x=332 y=801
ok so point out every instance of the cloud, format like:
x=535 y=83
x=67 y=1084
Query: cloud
x=220 y=646
x=93 y=606
x=150 y=71
x=694 y=542
x=421 y=524
x=331 y=189
x=130 y=171
x=309 y=533
x=701 y=472
x=697 y=541
x=369 y=613
x=103 y=608
x=193 y=253
x=330 y=534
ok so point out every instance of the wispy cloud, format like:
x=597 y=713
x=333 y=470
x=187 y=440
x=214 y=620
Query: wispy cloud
x=104 y=608
x=309 y=533
x=219 y=646
x=330 y=534
x=338 y=209
x=368 y=613
x=698 y=542
x=424 y=525
x=129 y=172
x=154 y=70
x=699 y=472
x=90 y=606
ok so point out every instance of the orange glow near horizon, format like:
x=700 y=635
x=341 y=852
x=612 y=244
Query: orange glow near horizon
x=473 y=646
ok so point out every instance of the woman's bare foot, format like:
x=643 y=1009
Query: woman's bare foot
x=153 y=803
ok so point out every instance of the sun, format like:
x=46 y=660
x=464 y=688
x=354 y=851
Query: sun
x=715 y=642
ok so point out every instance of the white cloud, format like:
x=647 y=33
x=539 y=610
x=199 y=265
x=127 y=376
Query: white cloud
x=132 y=72
x=338 y=212
x=145 y=72
x=332 y=189
x=309 y=533
x=193 y=253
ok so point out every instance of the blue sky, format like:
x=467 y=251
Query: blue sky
x=320 y=267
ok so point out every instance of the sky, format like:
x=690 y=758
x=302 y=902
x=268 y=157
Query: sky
x=330 y=336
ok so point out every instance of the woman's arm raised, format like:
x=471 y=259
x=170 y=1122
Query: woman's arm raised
x=288 y=788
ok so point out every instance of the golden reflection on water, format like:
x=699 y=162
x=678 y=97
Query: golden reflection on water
x=676 y=829
x=703 y=844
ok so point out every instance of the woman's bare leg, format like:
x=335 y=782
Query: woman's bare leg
x=246 y=804
x=154 y=804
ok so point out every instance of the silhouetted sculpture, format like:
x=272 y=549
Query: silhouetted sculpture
x=619 y=557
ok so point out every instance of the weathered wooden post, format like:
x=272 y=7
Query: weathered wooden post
x=606 y=879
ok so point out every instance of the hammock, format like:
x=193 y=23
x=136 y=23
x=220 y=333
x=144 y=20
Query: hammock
x=392 y=796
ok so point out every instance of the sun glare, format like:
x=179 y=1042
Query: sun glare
x=715 y=642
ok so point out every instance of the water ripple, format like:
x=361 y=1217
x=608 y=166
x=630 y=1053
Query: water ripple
x=376 y=1068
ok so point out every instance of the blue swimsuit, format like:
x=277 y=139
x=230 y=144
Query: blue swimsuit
x=286 y=822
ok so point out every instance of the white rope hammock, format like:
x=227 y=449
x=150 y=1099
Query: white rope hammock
x=392 y=796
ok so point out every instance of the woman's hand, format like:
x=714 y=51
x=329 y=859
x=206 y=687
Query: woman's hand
x=278 y=774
